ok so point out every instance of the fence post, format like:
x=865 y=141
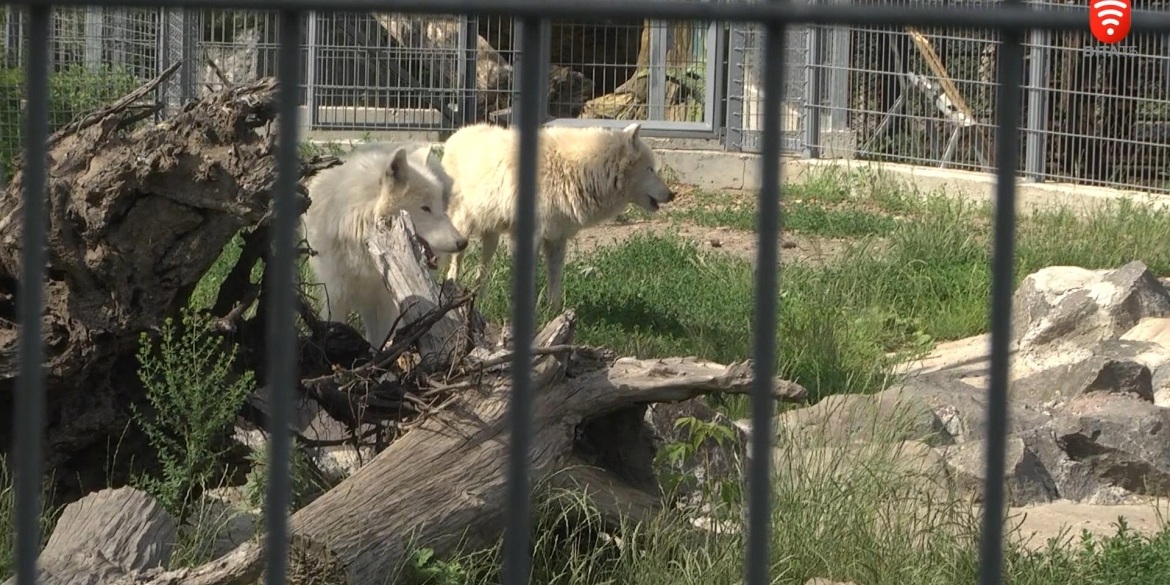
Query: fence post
x=310 y=120
x=545 y=52
x=656 y=80
x=6 y=35
x=170 y=50
x=189 y=23
x=94 y=36
x=469 y=58
x=812 y=90
x=119 y=37
x=838 y=43
x=1036 y=125
x=736 y=45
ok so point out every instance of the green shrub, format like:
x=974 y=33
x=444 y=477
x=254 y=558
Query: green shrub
x=74 y=90
x=194 y=395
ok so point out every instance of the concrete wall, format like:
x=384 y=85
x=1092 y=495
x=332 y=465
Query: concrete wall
x=719 y=170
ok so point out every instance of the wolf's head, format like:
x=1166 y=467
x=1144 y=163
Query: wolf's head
x=642 y=184
x=415 y=183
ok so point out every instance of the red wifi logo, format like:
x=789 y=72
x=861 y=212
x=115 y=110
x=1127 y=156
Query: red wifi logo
x=1109 y=20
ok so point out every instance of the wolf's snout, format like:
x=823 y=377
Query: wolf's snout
x=669 y=196
x=461 y=244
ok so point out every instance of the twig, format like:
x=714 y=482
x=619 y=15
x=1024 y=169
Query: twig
x=536 y=351
x=219 y=73
x=97 y=116
x=413 y=331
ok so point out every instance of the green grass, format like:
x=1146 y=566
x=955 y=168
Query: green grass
x=926 y=280
x=845 y=515
x=916 y=271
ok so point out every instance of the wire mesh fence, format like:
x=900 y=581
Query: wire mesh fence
x=96 y=55
x=1094 y=113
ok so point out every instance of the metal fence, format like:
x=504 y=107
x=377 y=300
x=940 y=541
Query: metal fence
x=1011 y=19
x=1093 y=114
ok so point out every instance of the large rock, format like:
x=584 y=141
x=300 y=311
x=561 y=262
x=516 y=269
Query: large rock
x=962 y=404
x=1112 y=442
x=1113 y=367
x=1072 y=305
x=1154 y=331
x=886 y=417
x=1027 y=479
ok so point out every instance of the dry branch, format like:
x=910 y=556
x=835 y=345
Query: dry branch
x=396 y=251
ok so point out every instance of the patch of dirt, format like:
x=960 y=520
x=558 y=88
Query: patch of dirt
x=1040 y=522
x=793 y=247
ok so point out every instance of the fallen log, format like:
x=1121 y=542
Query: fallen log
x=442 y=485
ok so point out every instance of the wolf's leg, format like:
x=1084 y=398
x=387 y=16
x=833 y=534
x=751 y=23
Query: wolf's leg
x=554 y=259
x=377 y=320
x=451 y=261
x=491 y=241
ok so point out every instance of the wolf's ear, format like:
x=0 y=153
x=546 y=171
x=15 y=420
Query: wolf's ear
x=396 y=170
x=632 y=131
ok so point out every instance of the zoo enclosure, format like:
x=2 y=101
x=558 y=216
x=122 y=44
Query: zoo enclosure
x=1012 y=20
x=1094 y=114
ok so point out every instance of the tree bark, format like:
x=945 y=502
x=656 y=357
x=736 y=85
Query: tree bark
x=136 y=216
x=401 y=261
x=104 y=536
x=443 y=484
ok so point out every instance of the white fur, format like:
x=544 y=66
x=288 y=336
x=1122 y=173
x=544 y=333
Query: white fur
x=373 y=183
x=585 y=176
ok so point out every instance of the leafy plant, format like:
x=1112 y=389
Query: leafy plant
x=256 y=484
x=674 y=456
x=194 y=394
x=424 y=569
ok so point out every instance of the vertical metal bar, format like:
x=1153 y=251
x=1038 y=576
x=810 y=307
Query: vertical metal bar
x=94 y=26
x=837 y=62
x=767 y=304
x=30 y=398
x=656 y=90
x=1011 y=70
x=736 y=47
x=469 y=57
x=164 y=58
x=311 y=70
x=1037 y=123
x=812 y=91
x=281 y=316
x=187 y=53
x=533 y=84
x=713 y=69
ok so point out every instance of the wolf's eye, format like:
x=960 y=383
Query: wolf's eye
x=426 y=208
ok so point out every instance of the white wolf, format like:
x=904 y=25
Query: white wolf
x=585 y=176
x=375 y=181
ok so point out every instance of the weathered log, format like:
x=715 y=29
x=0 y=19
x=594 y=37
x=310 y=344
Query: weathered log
x=104 y=536
x=402 y=262
x=442 y=485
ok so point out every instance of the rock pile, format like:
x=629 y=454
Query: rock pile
x=1089 y=400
